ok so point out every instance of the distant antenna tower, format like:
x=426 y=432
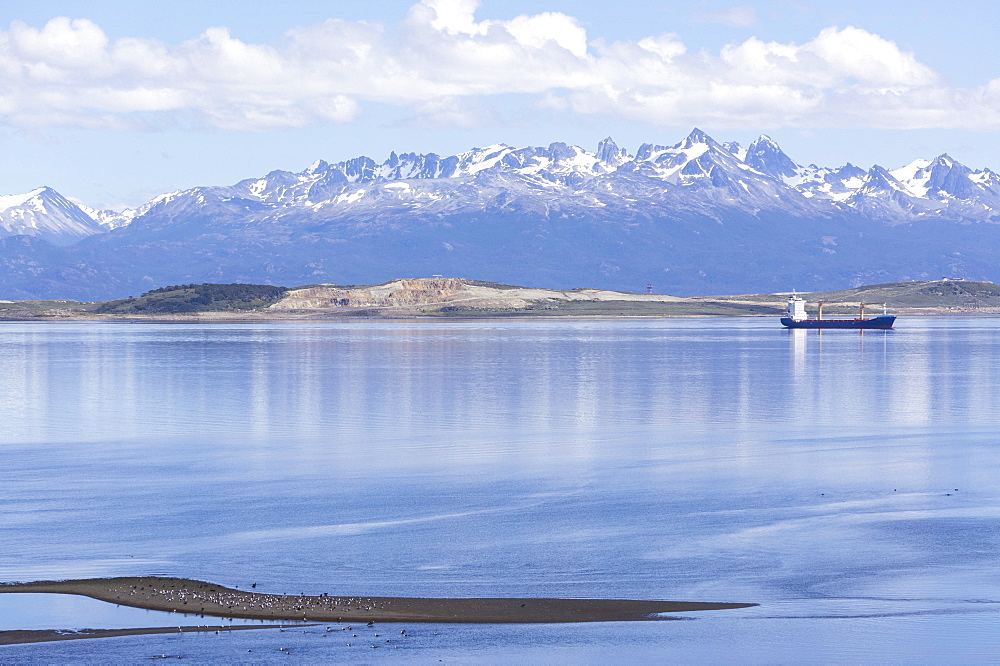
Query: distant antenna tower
x=649 y=288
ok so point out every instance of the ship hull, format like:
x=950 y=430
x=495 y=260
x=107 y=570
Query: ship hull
x=882 y=321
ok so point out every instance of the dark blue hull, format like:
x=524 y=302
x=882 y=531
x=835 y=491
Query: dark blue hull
x=882 y=321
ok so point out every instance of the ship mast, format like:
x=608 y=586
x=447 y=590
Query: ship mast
x=861 y=314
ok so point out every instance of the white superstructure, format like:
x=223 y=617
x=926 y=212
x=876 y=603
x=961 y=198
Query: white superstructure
x=796 y=308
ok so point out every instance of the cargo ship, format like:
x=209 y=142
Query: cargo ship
x=796 y=317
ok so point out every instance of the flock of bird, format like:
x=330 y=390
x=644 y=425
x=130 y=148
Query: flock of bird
x=215 y=600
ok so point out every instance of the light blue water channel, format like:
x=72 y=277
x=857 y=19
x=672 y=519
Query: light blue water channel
x=848 y=482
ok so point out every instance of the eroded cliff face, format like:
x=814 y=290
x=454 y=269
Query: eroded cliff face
x=441 y=292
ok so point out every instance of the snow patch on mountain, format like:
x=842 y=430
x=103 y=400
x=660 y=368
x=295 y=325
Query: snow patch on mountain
x=8 y=201
x=46 y=214
x=914 y=176
x=109 y=219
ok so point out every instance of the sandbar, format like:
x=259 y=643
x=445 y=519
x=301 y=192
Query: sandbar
x=194 y=597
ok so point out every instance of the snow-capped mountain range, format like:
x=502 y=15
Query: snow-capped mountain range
x=758 y=176
x=501 y=196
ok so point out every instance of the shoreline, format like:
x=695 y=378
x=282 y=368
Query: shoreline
x=22 y=636
x=316 y=317
x=194 y=597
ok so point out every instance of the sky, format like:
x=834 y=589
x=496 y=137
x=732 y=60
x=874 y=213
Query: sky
x=112 y=102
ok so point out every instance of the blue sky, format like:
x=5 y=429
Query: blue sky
x=113 y=102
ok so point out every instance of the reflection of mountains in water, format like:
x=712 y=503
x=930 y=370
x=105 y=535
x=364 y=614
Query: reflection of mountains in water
x=683 y=459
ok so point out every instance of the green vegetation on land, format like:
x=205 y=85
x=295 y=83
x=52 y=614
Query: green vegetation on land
x=187 y=298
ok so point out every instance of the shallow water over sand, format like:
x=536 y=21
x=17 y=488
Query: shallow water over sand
x=848 y=482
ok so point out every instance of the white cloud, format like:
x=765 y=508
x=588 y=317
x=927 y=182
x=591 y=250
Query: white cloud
x=452 y=17
x=541 y=30
x=870 y=59
x=442 y=65
x=63 y=43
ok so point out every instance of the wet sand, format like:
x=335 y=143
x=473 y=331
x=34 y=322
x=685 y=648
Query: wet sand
x=193 y=597
x=46 y=635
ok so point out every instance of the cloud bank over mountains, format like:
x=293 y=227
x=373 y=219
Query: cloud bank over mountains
x=440 y=63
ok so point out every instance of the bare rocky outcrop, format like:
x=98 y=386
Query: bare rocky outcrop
x=437 y=292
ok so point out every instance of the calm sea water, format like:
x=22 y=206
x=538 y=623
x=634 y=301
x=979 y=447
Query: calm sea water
x=848 y=482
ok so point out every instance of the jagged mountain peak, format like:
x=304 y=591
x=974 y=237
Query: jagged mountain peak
x=944 y=159
x=765 y=140
x=944 y=177
x=610 y=154
x=697 y=136
x=694 y=145
x=878 y=177
x=318 y=166
x=766 y=156
x=36 y=197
